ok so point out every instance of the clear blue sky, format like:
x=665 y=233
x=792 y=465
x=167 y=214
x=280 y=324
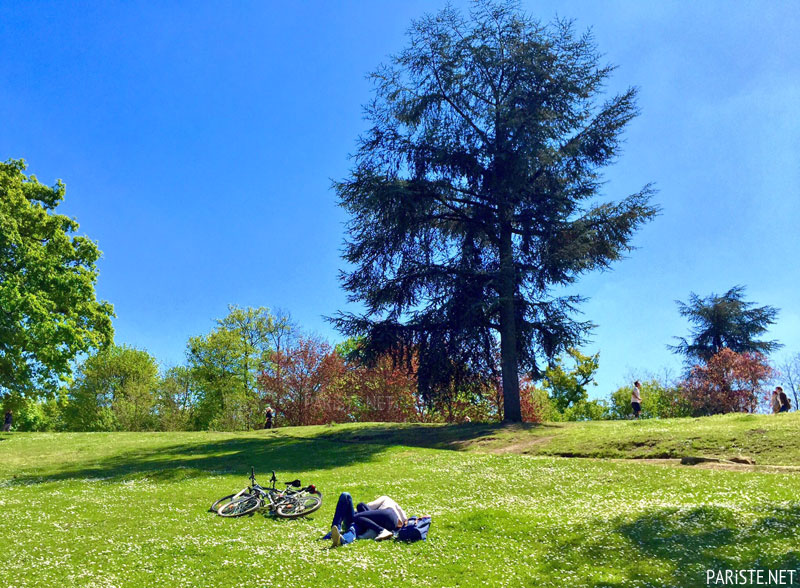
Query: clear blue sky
x=198 y=142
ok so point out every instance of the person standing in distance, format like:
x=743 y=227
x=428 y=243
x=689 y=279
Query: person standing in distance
x=636 y=399
x=786 y=404
x=776 y=400
x=270 y=415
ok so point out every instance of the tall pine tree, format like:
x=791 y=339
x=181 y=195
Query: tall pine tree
x=727 y=321
x=475 y=193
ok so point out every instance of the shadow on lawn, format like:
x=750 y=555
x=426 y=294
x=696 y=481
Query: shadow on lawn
x=454 y=437
x=686 y=543
x=171 y=463
x=281 y=450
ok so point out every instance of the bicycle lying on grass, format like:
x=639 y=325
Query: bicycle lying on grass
x=291 y=503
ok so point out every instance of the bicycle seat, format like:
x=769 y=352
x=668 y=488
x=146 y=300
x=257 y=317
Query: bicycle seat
x=295 y=483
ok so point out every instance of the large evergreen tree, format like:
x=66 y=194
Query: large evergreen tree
x=726 y=321
x=475 y=195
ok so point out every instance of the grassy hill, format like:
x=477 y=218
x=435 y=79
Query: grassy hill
x=130 y=509
x=763 y=439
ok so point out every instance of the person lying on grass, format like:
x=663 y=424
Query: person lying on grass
x=374 y=520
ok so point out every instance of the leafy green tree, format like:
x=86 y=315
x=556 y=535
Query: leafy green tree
x=226 y=364
x=176 y=400
x=115 y=389
x=476 y=191
x=350 y=348
x=587 y=410
x=725 y=322
x=259 y=332
x=35 y=413
x=48 y=310
x=214 y=361
x=567 y=387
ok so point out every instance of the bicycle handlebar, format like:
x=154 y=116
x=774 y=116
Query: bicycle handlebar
x=273 y=479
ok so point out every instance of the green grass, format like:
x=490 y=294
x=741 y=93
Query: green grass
x=130 y=509
x=766 y=439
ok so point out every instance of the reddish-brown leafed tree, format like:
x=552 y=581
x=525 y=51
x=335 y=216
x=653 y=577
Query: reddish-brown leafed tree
x=531 y=402
x=728 y=382
x=383 y=392
x=299 y=382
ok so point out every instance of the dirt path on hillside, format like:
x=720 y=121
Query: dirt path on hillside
x=521 y=447
x=676 y=462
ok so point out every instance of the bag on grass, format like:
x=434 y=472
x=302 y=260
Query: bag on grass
x=416 y=529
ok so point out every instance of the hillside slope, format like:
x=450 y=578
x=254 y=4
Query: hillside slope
x=131 y=509
x=764 y=439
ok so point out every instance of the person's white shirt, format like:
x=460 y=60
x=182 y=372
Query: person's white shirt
x=386 y=502
x=635 y=397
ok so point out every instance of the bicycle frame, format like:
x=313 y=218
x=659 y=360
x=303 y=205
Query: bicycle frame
x=270 y=496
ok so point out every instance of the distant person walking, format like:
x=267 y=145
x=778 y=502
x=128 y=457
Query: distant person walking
x=7 y=422
x=270 y=416
x=776 y=400
x=786 y=404
x=636 y=399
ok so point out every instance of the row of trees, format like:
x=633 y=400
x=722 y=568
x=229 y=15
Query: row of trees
x=59 y=368
x=253 y=359
x=727 y=382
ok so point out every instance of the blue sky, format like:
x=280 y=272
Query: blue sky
x=198 y=142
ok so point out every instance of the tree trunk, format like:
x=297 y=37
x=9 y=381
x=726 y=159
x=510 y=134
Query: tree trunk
x=508 y=329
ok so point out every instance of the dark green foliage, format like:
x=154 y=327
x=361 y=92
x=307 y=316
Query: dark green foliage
x=176 y=400
x=726 y=321
x=475 y=192
x=35 y=413
x=115 y=389
x=48 y=310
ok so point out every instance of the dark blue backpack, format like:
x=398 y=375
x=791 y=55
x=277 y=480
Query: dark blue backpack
x=415 y=529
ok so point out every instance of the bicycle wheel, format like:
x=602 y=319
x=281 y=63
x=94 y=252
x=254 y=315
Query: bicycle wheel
x=239 y=507
x=299 y=505
x=229 y=498
x=222 y=501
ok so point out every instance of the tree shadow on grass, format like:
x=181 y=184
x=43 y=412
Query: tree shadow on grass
x=453 y=437
x=287 y=450
x=677 y=547
x=177 y=462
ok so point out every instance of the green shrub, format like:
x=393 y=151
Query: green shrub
x=658 y=401
x=34 y=415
